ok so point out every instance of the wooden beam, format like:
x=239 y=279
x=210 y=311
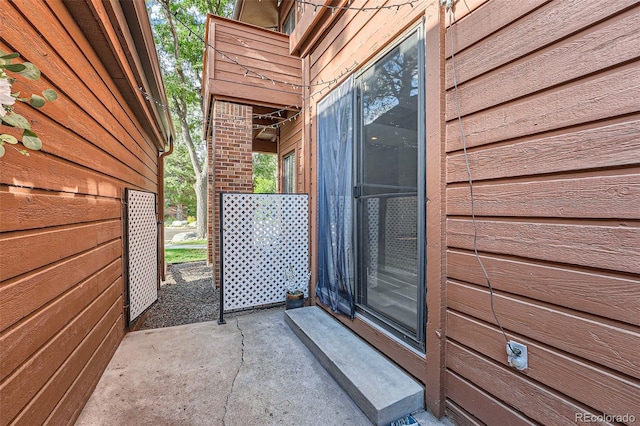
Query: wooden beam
x=265 y=147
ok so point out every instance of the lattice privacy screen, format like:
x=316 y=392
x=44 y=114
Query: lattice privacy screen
x=263 y=235
x=142 y=251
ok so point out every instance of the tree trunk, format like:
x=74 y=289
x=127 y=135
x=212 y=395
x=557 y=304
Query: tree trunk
x=180 y=212
x=201 y=205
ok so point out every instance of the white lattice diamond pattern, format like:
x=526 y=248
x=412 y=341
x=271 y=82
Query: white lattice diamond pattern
x=142 y=249
x=401 y=248
x=263 y=236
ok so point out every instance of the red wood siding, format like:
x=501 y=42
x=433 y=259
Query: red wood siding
x=548 y=96
x=291 y=140
x=61 y=233
x=263 y=51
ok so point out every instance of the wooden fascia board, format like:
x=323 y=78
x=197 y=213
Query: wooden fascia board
x=114 y=23
x=133 y=22
x=150 y=58
x=312 y=25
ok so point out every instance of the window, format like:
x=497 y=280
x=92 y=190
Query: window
x=289 y=22
x=289 y=173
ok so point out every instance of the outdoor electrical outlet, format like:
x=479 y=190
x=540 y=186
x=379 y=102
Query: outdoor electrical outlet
x=517 y=355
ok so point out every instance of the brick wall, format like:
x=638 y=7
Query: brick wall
x=231 y=166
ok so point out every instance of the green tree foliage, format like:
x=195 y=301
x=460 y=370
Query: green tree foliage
x=179 y=181
x=265 y=167
x=8 y=116
x=181 y=54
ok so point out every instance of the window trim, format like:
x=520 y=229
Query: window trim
x=289 y=154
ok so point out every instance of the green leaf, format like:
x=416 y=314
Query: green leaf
x=15 y=68
x=16 y=120
x=50 y=95
x=37 y=101
x=31 y=71
x=8 y=139
x=1 y=150
x=31 y=140
x=10 y=55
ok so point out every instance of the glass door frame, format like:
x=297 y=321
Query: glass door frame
x=416 y=340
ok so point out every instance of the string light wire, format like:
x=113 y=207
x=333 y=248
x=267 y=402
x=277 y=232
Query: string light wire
x=470 y=179
x=316 y=6
x=251 y=72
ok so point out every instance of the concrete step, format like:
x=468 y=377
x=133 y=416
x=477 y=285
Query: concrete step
x=382 y=390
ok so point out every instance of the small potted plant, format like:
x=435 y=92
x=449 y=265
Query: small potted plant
x=295 y=288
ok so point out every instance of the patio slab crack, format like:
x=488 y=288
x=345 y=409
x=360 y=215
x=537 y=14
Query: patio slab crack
x=233 y=383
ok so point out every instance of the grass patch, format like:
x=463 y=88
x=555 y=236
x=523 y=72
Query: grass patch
x=184 y=255
x=191 y=242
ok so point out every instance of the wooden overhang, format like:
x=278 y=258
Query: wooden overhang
x=120 y=32
x=263 y=13
x=246 y=64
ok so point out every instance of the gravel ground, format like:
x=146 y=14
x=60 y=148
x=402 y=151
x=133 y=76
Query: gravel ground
x=187 y=296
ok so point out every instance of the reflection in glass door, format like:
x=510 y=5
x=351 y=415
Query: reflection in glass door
x=389 y=191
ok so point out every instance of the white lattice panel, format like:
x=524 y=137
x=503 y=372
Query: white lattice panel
x=373 y=221
x=401 y=245
x=263 y=236
x=142 y=251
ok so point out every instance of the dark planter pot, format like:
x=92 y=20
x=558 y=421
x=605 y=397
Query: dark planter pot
x=294 y=300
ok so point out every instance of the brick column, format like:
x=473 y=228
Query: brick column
x=231 y=145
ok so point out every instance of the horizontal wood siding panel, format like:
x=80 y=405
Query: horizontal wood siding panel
x=348 y=25
x=73 y=148
x=80 y=373
x=20 y=297
x=259 y=56
x=533 y=400
x=459 y=416
x=547 y=94
x=110 y=109
x=22 y=341
x=52 y=245
x=485 y=21
x=606 y=246
x=589 y=337
x=234 y=90
x=61 y=272
x=608 y=44
x=574 y=288
x=274 y=75
x=606 y=95
x=598 y=197
x=278 y=73
x=23 y=209
x=62 y=176
x=598 y=388
x=482 y=405
x=540 y=28
x=365 y=37
x=85 y=119
x=616 y=144
x=18 y=389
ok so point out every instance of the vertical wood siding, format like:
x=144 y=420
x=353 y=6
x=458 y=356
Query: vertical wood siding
x=291 y=140
x=548 y=96
x=61 y=232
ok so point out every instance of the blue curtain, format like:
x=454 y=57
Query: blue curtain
x=335 y=200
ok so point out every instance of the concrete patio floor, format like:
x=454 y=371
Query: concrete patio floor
x=251 y=371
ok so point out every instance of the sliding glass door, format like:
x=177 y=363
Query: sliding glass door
x=389 y=191
x=371 y=193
